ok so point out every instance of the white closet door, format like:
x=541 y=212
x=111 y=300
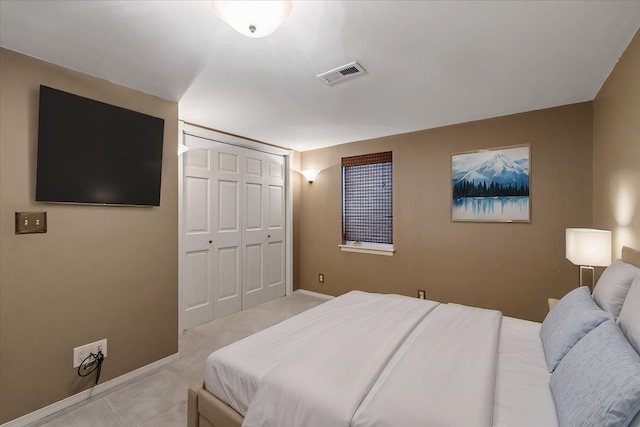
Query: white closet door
x=234 y=213
x=275 y=274
x=263 y=228
x=227 y=223
x=198 y=261
x=254 y=230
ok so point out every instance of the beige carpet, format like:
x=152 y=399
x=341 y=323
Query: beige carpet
x=160 y=398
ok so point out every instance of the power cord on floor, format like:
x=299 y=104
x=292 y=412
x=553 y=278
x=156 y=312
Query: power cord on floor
x=88 y=366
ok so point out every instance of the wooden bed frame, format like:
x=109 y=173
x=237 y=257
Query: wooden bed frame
x=206 y=410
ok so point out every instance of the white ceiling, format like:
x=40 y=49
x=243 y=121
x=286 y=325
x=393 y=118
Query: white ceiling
x=429 y=63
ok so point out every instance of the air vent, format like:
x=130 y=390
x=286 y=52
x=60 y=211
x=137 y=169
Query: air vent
x=342 y=73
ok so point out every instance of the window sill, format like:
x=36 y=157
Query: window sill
x=386 y=250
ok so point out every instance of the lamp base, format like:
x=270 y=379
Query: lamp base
x=588 y=267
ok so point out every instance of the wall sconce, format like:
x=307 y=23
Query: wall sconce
x=588 y=247
x=310 y=175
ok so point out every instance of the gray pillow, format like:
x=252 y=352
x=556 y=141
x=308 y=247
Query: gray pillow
x=598 y=382
x=613 y=285
x=629 y=319
x=573 y=317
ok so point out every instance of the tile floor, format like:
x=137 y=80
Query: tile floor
x=160 y=398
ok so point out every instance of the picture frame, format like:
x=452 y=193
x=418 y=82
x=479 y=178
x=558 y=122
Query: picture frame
x=491 y=185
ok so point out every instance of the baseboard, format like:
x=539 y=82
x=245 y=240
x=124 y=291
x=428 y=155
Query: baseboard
x=310 y=293
x=83 y=395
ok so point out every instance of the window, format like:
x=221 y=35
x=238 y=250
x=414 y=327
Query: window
x=367 y=203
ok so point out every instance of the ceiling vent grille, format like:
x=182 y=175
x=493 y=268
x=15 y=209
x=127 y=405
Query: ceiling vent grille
x=342 y=73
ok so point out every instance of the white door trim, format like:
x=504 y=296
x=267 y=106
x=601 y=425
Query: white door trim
x=233 y=140
x=288 y=162
x=187 y=129
x=181 y=251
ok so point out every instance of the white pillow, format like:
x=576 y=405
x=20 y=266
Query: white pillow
x=613 y=285
x=629 y=319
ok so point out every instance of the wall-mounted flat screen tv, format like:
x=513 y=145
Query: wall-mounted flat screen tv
x=92 y=152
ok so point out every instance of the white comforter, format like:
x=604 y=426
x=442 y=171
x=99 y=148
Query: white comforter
x=383 y=358
x=331 y=331
x=444 y=375
x=324 y=384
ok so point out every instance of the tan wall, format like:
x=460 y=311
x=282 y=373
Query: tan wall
x=616 y=152
x=511 y=267
x=99 y=272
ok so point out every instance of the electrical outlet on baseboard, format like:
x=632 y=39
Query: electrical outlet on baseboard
x=421 y=294
x=82 y=352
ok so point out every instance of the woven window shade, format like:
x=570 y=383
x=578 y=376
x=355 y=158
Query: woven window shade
x=368 y=159
x=368 y=198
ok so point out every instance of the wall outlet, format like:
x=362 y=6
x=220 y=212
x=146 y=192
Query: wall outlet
x=82 y=352
x=422 y=294
x=321 y=278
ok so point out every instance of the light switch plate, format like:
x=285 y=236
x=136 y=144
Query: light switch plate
x=31 y=222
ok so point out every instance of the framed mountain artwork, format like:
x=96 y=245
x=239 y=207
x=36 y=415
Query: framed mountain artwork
x=491 y=185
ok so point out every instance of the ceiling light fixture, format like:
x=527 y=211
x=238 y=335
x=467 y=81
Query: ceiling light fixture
x=253 y=18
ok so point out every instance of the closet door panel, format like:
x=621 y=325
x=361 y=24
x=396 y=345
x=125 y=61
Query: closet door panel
x=227 y=239
x=198 y=300
x=275 y=193
x=254 y=233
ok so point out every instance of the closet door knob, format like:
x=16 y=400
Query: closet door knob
x=269 y=236
x=210 y=241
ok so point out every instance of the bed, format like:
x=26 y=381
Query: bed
x=361 y=360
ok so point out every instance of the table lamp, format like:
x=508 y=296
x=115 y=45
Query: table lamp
x=588 y=248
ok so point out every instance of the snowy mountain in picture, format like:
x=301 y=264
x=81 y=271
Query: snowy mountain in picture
x=491 y=185
x=502 y=167
x=523 y=162
x=500 y=170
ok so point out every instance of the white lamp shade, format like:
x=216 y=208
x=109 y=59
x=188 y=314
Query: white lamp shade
x=253 y=18
x=310 y=175
x=587 y=246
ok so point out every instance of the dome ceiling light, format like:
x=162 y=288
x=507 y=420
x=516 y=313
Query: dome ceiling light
x=253 y=18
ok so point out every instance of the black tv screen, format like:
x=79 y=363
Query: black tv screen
x=92 y=152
